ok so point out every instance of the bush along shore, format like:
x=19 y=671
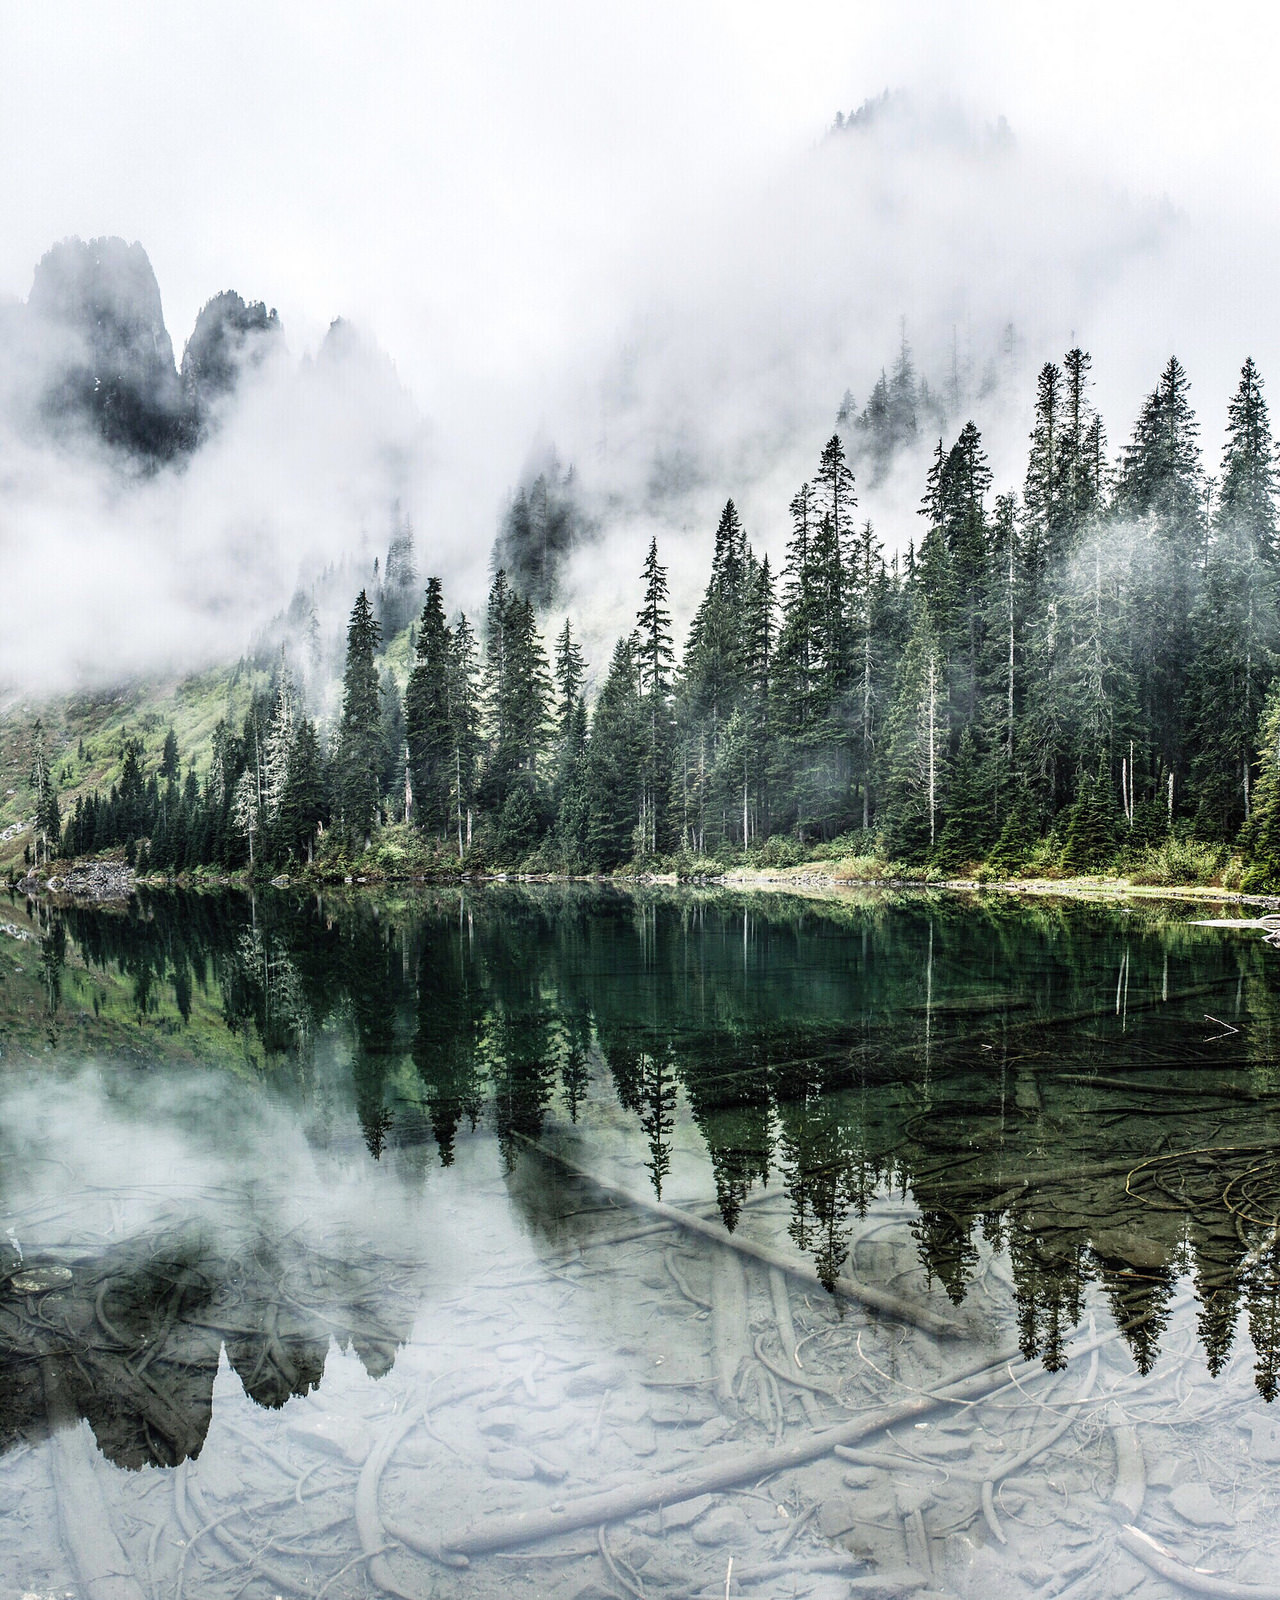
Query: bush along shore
x=399 y=858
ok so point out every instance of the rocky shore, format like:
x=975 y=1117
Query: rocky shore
x=98 y=881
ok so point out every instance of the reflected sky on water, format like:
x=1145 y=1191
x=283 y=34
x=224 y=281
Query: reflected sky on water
x=275 y=1172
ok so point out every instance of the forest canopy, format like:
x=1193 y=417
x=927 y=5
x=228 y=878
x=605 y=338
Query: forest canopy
x=1075 y=675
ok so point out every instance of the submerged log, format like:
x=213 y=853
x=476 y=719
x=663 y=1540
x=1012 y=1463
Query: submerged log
x=875 y=1299
x=369 y=1527
x=724 y=1470
x=1163 y=1561
x=728 y=1323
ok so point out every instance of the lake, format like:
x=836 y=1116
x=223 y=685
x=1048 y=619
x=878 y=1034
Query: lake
x=572 y=1241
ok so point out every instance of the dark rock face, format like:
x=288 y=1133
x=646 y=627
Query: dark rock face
x=229 y=334
x=98 y=304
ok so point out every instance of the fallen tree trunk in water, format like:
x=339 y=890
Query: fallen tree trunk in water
x=891 y=1305
x=728 y=1319
x=1163 y=1561
x=725 y=1471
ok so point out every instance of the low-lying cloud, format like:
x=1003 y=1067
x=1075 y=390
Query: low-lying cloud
x=744 y=318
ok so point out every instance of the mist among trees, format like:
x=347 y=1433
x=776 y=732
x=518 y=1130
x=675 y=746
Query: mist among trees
x=1069 y=676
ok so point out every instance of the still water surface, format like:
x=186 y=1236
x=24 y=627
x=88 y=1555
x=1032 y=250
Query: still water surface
x=570 y=1242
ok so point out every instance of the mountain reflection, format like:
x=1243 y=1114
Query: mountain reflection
x=132 y=1337
x=1089 y=1090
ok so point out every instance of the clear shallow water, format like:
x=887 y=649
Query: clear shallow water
x=303 y=1288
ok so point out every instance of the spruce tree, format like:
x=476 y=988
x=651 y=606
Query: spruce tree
x=304 y=802
x=570 y=674
x=1260 y=836
x=428 y=724
x=917 y=741
x=1161 y=489
x=48 y=819
x=360 y=756
x=1236 y=627
x=1090 y=835
x=616 y=761
x=573 y=791
x=1247 y=495
x=654 y=658
x=1043 y=490
x=967 y=829
x=516 y=694
x=169 y=764
x=464 y=727
x=797 y=640
x=867 y=581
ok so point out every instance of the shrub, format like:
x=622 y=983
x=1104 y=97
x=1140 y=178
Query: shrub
x=863 y=869
x=1178 y=861
x=782 y=851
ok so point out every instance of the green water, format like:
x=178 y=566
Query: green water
x=330 y=1237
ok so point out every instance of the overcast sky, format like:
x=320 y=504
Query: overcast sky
x=470 y=179
x=514 y=199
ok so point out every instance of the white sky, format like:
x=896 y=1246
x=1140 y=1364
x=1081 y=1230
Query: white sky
x=507 y=195
x=470 y=179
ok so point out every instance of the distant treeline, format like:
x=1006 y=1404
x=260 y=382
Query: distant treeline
x=1066 y=679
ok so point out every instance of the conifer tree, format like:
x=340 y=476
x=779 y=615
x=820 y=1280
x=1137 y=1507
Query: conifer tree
x=570 y=673
x=304 y=803
x=360 y=756
x=654 y=658
x=573 y=790
x=1090 y=827
x=759 y=648
x=712 y=682
x=1161 y=487
x=48 y=819
x=1247 y=496
x=516 y=696
x=962 y=489
x=278 y=746
x=616 y=761
x=464 y=726
x=834 y=492
x=867 y=582
x=169 y=766
x=798 y=638
x=246 y=812
x=917 y=739
x=1260 y=836
x=1236 y=627
x=428 y=721
x=1043 y=490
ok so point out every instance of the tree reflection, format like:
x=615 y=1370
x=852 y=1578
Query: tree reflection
x=971 y=1055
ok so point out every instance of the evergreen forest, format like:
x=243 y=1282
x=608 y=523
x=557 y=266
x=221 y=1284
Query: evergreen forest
x=1074 y=675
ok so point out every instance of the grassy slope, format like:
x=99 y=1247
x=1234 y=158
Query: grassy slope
x=99 y=1012
x=101 y=721
x=191 y=706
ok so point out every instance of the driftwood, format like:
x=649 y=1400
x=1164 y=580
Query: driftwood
x=373 y=1541
x=102 y=1568
x=1126 y=1499
x=724 y=1470
x=1163 y=1561
x=728 y=1319
x=1011 y=1187
x=259 y=1563
x=787 y=1333
x=891 y=1305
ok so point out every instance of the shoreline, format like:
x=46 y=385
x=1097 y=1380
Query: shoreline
x=113 y=883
